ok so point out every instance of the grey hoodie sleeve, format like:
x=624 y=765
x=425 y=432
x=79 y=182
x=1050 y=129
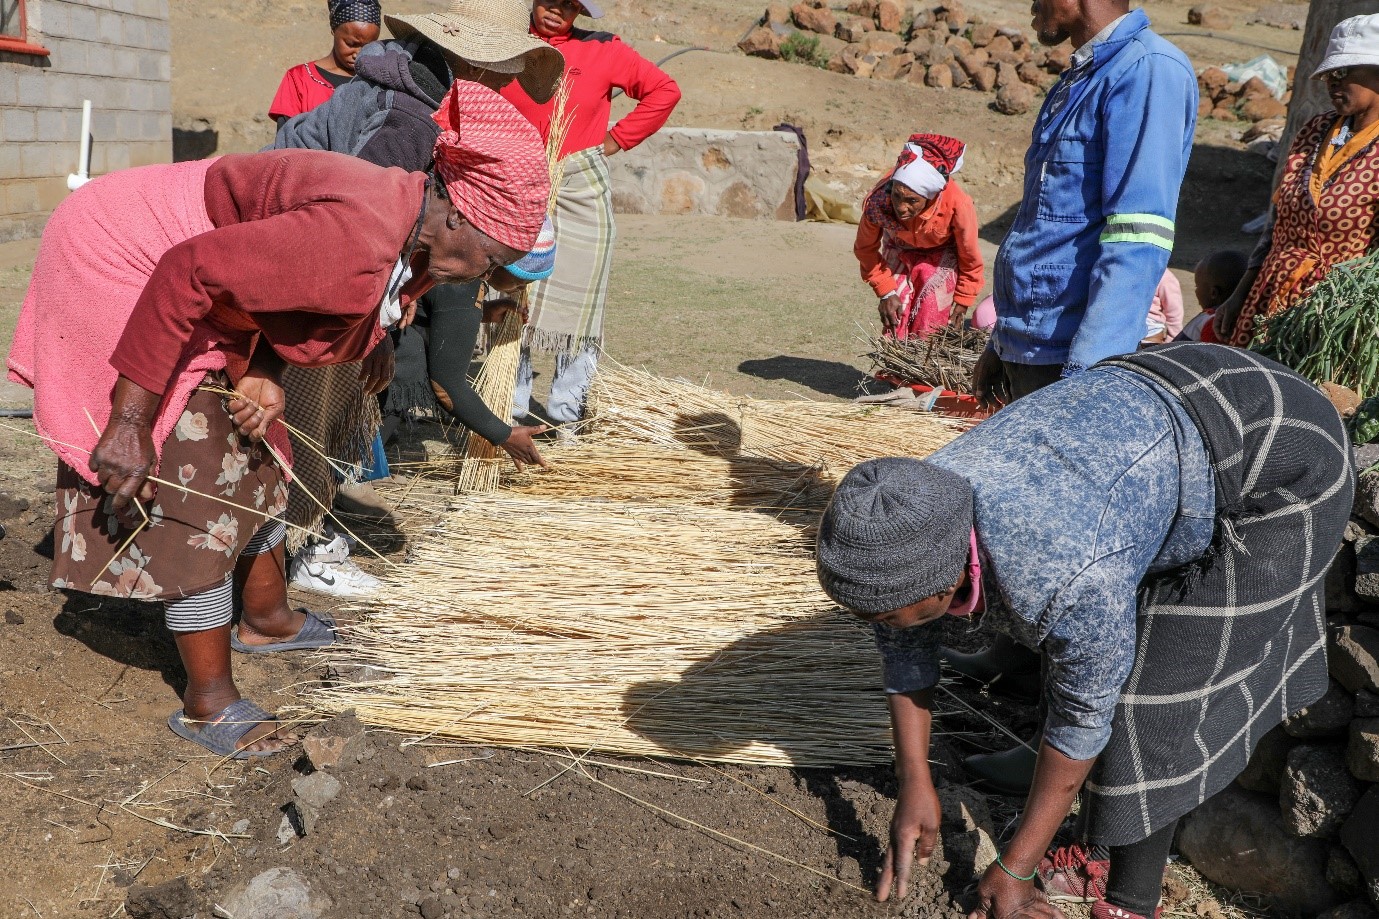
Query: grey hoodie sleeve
x=338 y=124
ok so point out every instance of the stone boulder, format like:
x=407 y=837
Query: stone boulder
x=1213 y=81
x=1353 y=650
x=953 y=14
x=894 y=67
x=1367 y=495
x=981 y=35
x=1362 y=751
x=939 y=76
x=1329 y=716
x=1362 y=842
x=761 y=42
x=984 y=80
x=1238 y=840
x=1262 y=107
x=1318 y=792
x=278 y=893
x=814 y=19
x=1058 y=59
x=881 y=42
x=1014 y=98
x=1002 y=51
x=863 y=8
x=1264 y=771
x=888 y=15
x=1210 y=16
x=777 y=14
x=1035 y=75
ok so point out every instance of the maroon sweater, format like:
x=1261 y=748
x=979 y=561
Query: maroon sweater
x=303 y=246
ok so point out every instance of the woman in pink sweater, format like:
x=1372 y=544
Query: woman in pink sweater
x=165 y=302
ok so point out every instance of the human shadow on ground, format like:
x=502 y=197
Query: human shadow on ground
x=128 y=632
x=765 y=689
x=832 y=378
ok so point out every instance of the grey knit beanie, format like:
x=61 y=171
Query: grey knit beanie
x=895 y=532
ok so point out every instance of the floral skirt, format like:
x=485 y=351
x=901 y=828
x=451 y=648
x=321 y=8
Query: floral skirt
x=192 y=538
x=926 y=280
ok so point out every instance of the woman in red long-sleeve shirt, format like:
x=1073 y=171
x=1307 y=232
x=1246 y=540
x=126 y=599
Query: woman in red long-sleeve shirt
x=567 y=309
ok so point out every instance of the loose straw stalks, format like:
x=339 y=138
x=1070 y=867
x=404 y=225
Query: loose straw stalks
x=481 y=462
x=632 y=406
x=639 y=629
x=652 y=593
x=944 y=359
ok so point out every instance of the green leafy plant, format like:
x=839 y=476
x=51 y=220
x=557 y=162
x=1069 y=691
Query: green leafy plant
x=1332 y=334
x=803 y=48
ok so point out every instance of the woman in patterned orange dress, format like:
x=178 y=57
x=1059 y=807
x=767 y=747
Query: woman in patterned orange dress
x=1325 y=206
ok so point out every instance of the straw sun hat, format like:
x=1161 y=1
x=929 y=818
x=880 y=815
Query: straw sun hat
x=491 y=34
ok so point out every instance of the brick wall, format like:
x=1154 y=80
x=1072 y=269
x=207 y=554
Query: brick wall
x=113 y=52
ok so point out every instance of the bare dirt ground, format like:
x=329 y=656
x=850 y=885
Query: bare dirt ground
x=100 y=798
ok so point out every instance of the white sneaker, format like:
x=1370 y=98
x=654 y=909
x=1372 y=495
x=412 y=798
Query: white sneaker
x=337 y=579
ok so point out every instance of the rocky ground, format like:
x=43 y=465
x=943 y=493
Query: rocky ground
x=106 y=811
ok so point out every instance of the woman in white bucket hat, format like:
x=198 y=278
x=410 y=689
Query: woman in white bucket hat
x=1323 y=210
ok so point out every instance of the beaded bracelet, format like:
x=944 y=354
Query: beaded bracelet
x=1012 y=873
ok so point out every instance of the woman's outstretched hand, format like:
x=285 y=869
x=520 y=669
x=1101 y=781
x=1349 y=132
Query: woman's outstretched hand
x=915 y=822
x=988 y=381
x=124 y=455
x=890 y=311
x=1000 y=896
x=522 y=448
x=260 y=403
x=376 y=370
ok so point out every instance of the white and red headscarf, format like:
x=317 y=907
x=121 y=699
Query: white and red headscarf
x=927 y=162
x=493 y=164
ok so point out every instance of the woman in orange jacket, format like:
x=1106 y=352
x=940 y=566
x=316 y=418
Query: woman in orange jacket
x=917 y=241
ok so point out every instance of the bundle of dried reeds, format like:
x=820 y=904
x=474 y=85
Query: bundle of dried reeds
x=632 y=406
x=943 y=359
x=481 y=463
x=622 y=627
x=636 y=472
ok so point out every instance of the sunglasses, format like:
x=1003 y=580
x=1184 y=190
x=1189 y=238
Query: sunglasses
x=1337 y=75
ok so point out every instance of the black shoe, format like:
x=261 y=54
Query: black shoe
x=984 y=668
x=1010 y=772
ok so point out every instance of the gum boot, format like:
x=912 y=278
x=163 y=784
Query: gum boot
x=1010 y=772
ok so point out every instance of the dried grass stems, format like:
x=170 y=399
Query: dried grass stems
x=652 y=593
x=685 y=632
x=631 y=406
x=481 y=463
x=944 y=359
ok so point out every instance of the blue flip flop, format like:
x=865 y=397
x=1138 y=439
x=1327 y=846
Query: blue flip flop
x=222 y=732
x=317 y=632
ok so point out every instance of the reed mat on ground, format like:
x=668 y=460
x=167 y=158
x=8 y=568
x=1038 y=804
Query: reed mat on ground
x=619 y=627
x=944 y=359
x=632 y=406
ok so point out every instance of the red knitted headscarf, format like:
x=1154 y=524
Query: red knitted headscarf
x=493 y=164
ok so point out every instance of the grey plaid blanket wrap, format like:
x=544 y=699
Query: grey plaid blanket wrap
x=567 y=307
x=1229 y=646
x=327 y=405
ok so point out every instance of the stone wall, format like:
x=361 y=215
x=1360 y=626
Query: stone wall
x=115 y=53
x=747 y=174
x=1301 y=827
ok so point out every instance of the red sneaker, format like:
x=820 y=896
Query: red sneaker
x=1103 y=910
x=1070 y=874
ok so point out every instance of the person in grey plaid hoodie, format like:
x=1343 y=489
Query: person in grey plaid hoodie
x=1159 y=528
